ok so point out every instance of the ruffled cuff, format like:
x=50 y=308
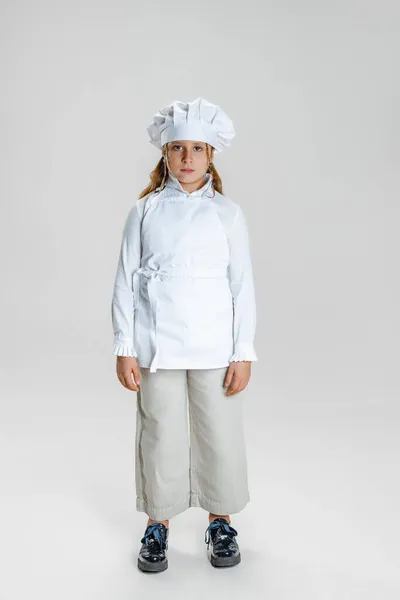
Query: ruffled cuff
x=121 y=349
x=244 y=351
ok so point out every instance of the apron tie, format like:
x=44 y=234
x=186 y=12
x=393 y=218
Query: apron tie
x=150 y=275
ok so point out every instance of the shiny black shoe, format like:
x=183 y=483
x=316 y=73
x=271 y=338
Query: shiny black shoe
x=153 y=553
x=222 y=548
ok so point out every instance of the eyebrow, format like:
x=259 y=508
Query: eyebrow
x=188 y=142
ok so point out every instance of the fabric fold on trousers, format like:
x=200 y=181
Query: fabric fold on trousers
x=190 y=445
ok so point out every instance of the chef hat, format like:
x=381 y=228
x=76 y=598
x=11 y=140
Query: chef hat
x=199 y=120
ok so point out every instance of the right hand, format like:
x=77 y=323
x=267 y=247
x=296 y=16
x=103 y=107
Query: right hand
x=125 y=367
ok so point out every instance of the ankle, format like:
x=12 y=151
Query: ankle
x=212 y=517
x=166 y=523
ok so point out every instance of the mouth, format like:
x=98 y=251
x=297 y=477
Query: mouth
x=187 y=170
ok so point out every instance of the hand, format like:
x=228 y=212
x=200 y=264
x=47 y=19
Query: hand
x=237 y=376
x=125 y=367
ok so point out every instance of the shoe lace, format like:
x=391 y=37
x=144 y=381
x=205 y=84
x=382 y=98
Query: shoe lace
x=153 y=533
x=216 y=524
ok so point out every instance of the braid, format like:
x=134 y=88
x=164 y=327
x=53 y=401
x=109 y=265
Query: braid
x=217 y=183
x=165 y=170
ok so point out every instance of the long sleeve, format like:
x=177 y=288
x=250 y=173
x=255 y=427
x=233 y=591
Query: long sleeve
x=122 y=306
x=243 y=293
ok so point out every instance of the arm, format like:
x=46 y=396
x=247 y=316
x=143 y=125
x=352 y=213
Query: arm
x=243 y=293
x=122 y=308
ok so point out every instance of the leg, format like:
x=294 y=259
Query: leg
x=218 y=456
x=150 y=521
x=212 y=517
x=162 y=444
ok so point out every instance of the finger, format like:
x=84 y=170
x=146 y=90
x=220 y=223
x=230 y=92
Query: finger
x=228 y=377
x=136 y=375
x=239 y=389
x=129 y=383
x=122 y=380
x=234 y=387
x=132 y=383
x=237 y=385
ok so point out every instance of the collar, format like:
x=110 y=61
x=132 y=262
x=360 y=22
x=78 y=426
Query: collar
x=173 y=187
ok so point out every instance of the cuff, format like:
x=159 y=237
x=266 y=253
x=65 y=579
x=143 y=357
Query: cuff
x=244 y=351
x=121 y=349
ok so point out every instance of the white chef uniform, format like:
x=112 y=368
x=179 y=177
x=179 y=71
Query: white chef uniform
x=184 y=292
x=184 y=306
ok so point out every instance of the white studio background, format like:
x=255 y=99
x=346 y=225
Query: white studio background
x=313 y=90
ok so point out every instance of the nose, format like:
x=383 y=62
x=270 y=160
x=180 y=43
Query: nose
x=187 y=157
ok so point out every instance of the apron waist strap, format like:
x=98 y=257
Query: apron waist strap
x=184 y=272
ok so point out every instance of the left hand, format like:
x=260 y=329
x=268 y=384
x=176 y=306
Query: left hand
x=237 y=376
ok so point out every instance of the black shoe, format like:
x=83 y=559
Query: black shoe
x=222 y=548
x=153 y=553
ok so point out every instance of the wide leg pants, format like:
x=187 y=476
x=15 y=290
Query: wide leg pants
x=190 y=446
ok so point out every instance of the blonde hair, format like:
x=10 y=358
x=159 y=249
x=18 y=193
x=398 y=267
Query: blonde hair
x=159 y=174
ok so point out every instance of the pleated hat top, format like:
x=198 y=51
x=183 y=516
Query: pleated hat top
x=199 y=120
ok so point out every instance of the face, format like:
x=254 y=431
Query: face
x=187 y=160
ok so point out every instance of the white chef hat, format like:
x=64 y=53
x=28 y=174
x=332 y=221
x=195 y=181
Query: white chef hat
x=199 y=120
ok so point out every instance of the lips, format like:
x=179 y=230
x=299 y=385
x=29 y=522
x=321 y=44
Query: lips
x=187 y=170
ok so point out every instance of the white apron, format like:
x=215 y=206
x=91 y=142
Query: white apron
x=184 y=293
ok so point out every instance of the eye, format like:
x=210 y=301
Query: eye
x=178 y=146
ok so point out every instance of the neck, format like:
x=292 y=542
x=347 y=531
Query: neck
x=193 y=185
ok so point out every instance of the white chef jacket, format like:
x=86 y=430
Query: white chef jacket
x=184 y=294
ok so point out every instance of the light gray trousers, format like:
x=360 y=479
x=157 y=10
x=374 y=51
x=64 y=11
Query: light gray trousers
x=190 y=446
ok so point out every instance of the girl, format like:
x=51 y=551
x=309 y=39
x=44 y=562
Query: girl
x=184 y=317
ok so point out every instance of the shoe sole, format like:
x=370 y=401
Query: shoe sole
x=228 y=561
x=156 y=567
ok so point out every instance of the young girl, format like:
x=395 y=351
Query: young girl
x=184 y=318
